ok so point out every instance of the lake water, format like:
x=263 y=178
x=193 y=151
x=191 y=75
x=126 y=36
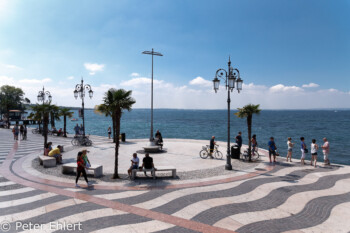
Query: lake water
x=202 y=124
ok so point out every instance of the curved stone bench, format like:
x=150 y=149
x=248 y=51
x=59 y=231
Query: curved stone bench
x=70 y=167
x=47 y=161
x=151 y=148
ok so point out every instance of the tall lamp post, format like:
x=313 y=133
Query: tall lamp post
x=230 y=77
x=42 y=95
x=153 y=54
x=80 y=90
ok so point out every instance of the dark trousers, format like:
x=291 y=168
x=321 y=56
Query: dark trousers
x=78 y=175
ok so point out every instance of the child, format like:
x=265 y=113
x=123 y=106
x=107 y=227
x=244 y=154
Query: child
x=86 y=159
x=314 y=148
x=81 y=169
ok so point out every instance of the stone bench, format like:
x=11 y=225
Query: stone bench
x=47 y=161
x=70 y=167
x=153 y=172
x=151 y=149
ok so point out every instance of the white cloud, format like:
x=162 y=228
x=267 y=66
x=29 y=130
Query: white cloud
x=70 y=77
x=283 y=88
x=35 y=81
x=199 y=81
x=310 y=85
x=94 y=67
x=134 y=74
x=136 y=82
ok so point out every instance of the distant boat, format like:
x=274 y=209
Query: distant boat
x=74 y=119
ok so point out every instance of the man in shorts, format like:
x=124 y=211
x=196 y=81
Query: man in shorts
x=325 y=150
x=147 y=164
x=211 y=146
x=272 y=149
x=134 y=163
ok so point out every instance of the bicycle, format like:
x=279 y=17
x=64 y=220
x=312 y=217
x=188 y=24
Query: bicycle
x=81 y=141
x=255 y=155
x=36 y=131
x=205 y=152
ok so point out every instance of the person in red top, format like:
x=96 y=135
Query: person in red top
x=81 y=169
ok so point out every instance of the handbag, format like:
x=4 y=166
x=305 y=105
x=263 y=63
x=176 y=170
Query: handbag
x=306 y=150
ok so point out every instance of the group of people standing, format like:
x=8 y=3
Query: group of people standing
x=304 y=150
x=19 y=130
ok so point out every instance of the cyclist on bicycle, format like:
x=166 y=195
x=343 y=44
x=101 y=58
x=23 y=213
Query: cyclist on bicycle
x=211 y=147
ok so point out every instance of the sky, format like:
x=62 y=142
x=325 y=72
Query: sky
x=290 y=54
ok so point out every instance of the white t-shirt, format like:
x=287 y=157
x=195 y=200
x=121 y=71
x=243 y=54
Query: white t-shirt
x=290 y=145
x=136 y=161
x=314 y=148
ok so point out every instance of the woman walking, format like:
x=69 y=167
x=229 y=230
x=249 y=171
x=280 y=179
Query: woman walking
x=109 y=132
x=21 y=131
x=303 y=150
x=314 y=148
x=81 y=169
x=290 y=149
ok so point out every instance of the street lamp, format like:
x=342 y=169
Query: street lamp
x=80 y=91
x=232 y=80
x=43 y=94
x=153 y=54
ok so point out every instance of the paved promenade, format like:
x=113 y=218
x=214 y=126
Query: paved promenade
x=255 y=197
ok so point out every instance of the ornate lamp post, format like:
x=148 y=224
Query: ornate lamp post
x=80 y=90
x=231 y=77
x=153 y=54
x=43 y=94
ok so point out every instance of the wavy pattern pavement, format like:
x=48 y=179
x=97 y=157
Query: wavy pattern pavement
x=288 y=198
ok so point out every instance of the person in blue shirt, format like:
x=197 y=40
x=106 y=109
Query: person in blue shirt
x=303 y=150
x=239 y=140
x=272 y=149
x=77 y=129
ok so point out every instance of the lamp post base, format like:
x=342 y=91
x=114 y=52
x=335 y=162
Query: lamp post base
x=228 y=167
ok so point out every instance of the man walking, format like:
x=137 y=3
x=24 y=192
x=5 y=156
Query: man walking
x=239 y=141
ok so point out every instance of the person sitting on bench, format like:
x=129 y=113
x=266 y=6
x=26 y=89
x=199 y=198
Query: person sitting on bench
x=147 y=164
x=57 y=154
x=134 y=163
x=159 y=139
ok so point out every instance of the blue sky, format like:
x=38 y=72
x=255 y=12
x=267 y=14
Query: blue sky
x=279 y=46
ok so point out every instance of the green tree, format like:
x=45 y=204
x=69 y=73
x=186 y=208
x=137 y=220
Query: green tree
x=247 y=112
x=11 y=98
x=65 y=112
x=114 y=103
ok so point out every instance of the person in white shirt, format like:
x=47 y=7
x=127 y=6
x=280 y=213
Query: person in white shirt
x=314 y=148
x=290 y=149
x=134 y=163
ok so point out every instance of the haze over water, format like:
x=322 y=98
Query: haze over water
x=202 y=124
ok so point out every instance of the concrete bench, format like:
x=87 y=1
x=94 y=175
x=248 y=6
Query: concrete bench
x=47 y=161
x=151 y=148
x=70 y=167
x=153 y=172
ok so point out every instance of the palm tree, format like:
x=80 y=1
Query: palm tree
x=42 y=111
x=65 y=112
x=115 y=101
x=247 y=112
x=54 y=114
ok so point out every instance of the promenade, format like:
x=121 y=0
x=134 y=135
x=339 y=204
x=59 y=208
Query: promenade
x=253 y=197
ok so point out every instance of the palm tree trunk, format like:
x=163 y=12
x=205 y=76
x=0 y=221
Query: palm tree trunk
x=114 y=129
x=64 y=126
x=249 y=123
x=117 y=127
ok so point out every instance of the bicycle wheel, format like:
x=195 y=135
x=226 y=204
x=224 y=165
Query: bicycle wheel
x=203 y=154
x=35 y=131
x=218 y=154
x=87 y=142
x=75 y=142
